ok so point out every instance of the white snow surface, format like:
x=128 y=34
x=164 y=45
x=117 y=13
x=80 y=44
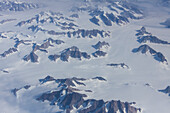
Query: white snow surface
x=122 y=84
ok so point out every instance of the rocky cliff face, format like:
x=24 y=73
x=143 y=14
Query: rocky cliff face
x=113 y=13
x=32 y=57
x=144 y=37
x=72 y=52
x=166 y=90
x=144 y=49
x=82 y=33
x=19 y=42
x=99 y=53
x=120 y=65
x=66 y=25
x=49 y=17
x=47 y=43
x=101 y=45
x=16 y=6
x=68 y=97
x=9 y=51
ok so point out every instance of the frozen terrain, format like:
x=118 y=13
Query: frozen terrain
x=107 y=56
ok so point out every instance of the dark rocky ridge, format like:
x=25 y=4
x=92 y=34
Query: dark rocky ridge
x=50 y=17
x=32 y=57
x=100 y=78
x=61 y=22
x=47 y=43
x=121 y=65
x=82 y=33
x=166 y=90
x=127 y=11
x=67 y=96
x=36 y=28
x=76 y=33
x=142 y=31
x=9 y=51
x=145 y=37
x=19 y=42
x=14 y=6
x=99 y=53
x=100 y=45
x=157 y=55
x=72 y=52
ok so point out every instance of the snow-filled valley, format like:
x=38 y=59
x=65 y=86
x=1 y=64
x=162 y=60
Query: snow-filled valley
x=84 y=56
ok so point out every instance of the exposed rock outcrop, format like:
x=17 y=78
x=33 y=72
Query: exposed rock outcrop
x=47 y=43
x=82 y=33
x=101 y=45
x=112 y=13
x=9 y=51
x=16 y=6
x=147 y=49
x=50 y=17
x=67 y=97
x=32 y=57
x=120 y=65
x=100 y=78
x=99 y=54
x=58 y=42
x=166 y=90
x=72 y=52
x=142 y=31
x=144 y=37
x=19 y=42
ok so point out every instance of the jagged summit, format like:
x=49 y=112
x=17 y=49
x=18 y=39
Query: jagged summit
x=7 y=5
x=67 y=97
x=144 y=49
x=144 y=37
x=36 y=47
x=101 y=45
x=50 y=17
x=72 y=52
x=142 y=31
x=113 y=13
x=64 y=26
x=9 y=51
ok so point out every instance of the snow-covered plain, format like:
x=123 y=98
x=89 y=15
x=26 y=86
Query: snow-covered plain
x=122 y=84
